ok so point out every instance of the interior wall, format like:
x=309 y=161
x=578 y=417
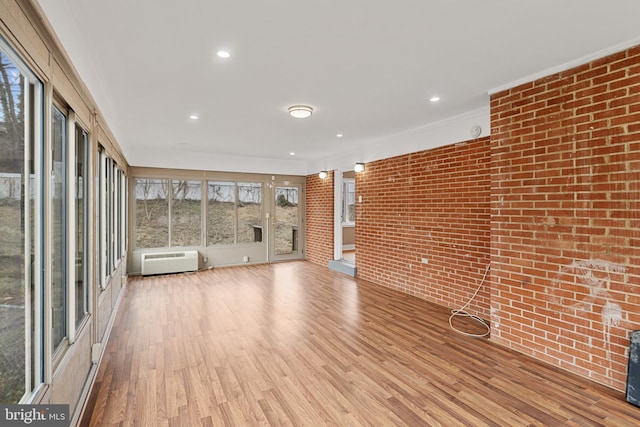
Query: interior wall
x=566 y=217
x=348 y=235
x=319 y=219
x=422 y=226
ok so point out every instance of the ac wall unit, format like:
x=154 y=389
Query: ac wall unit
x=169 y=262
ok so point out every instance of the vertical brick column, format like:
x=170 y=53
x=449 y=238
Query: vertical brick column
x=319 y=219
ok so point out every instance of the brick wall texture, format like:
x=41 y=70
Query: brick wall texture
x=565 y=217
x=432 y=205
x=319 y=219
x=551 y=199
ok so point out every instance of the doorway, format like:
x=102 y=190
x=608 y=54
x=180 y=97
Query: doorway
x=348 y=217
x=344 y=248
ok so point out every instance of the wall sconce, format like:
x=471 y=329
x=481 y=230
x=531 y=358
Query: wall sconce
x=359 y=167
x=323 y=174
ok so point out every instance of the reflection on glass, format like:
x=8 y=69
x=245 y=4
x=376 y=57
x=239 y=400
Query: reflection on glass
x=12 y=232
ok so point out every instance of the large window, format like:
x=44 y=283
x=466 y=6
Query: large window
x=186 y=213
x=152 y=213
x=102 y=219
x=221 y=207
x=81 y=235
x=116 y=219
x=249 y=212
x=20 y=210
x=234 y=212
x=58 y=230
x=169 y=212
x=111 y=216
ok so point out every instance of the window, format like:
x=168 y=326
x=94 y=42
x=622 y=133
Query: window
x=116 y=227
x=186 y=213
x=221 y=213
x=21 y=369
x=249 y=212
x=108 y=215
x=123 y=215
x=169 y=212
x=102 y=213
x=152 y=213
x=58 y=197
x=234 y=212
x=81 y=218
x=349 y=201
x=112 y=207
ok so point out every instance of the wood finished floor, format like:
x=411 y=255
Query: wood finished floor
x=296 y=344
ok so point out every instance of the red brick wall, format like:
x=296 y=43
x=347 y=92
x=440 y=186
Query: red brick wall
x=434 y=205
x=319 y=219
x=565 y=214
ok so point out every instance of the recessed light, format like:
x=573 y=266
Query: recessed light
x=339 y=135
x=193 y=117
x=434 y=99
x=223 y=54
x=292 y=153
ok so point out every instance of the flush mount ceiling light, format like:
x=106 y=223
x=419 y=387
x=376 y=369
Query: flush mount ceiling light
x=223 y=54
x=359 y=167
x=323 y=174
x=435 y=98
x=300 y=111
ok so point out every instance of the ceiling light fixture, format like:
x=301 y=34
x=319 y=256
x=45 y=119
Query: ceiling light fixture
x=223 y=54
x=323 y=174
x=193 y=117
x=434 y=99
x=300 y=111
x=339 y=135
x=359 y=167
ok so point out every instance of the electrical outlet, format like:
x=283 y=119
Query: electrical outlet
x=205 y=259
x=246 y=258
x=425 y=261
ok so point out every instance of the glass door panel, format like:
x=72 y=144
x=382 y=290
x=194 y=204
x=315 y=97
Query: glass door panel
x=286 y=223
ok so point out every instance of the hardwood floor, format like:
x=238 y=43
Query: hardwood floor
x=296 y=344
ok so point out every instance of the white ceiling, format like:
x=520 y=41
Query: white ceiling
x=368 y=68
